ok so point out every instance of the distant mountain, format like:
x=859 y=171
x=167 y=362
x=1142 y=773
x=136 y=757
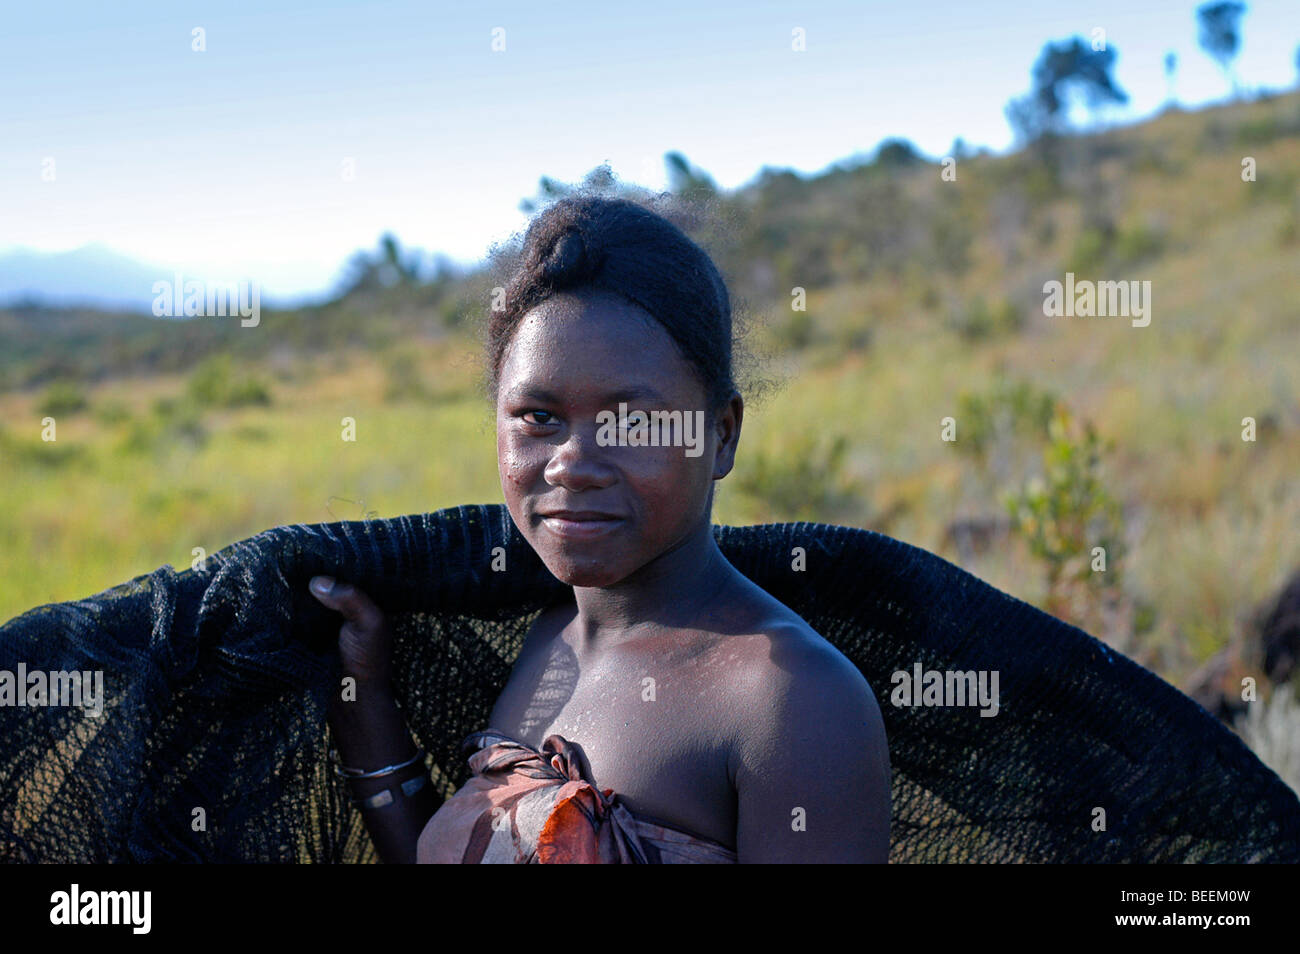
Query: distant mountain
x=92 y=275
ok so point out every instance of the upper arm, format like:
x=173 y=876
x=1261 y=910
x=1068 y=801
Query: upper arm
x=811 y=765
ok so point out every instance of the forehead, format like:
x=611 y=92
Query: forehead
x=590 y=338
x=599 y=313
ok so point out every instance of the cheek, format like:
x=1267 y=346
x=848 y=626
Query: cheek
x=671 y=478
x=517 y=466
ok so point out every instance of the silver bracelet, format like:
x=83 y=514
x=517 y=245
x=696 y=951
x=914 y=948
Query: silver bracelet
x=344 y=771
x=385 y=798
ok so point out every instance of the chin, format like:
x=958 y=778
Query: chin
x=586 y=572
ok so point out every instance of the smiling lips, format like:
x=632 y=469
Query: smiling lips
x=579 y=524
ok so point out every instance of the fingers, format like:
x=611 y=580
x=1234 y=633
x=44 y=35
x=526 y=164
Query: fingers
x=356 y=607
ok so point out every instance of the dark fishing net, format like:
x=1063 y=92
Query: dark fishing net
x=212 y=745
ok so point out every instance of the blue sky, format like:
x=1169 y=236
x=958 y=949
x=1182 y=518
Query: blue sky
x=229 y=163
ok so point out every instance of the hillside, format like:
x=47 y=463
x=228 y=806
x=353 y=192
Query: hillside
x=924 y=301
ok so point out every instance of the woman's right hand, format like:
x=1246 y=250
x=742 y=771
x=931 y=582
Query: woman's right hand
x=369 y=728
x=365 y=641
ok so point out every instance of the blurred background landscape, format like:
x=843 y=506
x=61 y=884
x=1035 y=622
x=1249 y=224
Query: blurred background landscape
x=924 y=300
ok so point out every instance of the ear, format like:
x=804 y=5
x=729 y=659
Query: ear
x=728 y=424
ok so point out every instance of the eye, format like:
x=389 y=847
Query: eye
x=546 y=417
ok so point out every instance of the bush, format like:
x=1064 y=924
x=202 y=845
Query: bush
x=44 y=454
x=1066 y=512
x=979 y=321
x=405 y=382
x=112 y=412
x=1041 y=183
x=63 y=397
x=454 y=313
x=853 y=335
x=1091 y=249
x=1289 y=231
x=215 y=383
x=951 y=235
x=1270 y=186
x=174 y=420
x=805 y=479
x=1264 y=129
x=1009 y=410
x=796 y=332
x=1139 y=243
x=1097 y=248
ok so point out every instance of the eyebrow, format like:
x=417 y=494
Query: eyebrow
x=636 y=392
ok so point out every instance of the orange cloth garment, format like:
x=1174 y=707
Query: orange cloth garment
x=528 y=806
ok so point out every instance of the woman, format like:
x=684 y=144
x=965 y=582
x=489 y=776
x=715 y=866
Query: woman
x=672 y=710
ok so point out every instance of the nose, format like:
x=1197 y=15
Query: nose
x=579 y=464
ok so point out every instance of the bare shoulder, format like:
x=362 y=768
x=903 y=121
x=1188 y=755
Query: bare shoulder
x=808 y=758
x=783 y=660
x=794 y=679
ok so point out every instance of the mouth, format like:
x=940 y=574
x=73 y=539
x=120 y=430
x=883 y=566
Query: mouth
x=580 y=524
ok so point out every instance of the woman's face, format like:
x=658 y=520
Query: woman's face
x=595 y=511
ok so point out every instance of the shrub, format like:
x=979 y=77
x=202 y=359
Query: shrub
x=951 y=235
x=1263 y=129
x=63 y=397
x=44 y=454
x=1009 y=410
x=173 y=420
x=1271 y=186
x=1138 y=244
x=796 y=332
x=979 y=320
x=1066 y=512
x=1090 y=251
x=1097 y=248
x=853 y=335
x=405 y=381
x=1289 y=231
x=805 y=479
x=112 y=412
x=215 y=383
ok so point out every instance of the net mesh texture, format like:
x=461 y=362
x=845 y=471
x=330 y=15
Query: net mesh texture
x=212 y=744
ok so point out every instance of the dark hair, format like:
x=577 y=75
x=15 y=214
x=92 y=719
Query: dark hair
x=595 y=243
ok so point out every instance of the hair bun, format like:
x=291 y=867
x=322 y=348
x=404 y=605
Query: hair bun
x=568 y=261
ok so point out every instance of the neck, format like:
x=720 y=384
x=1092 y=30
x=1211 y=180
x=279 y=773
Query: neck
x=671 y=591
